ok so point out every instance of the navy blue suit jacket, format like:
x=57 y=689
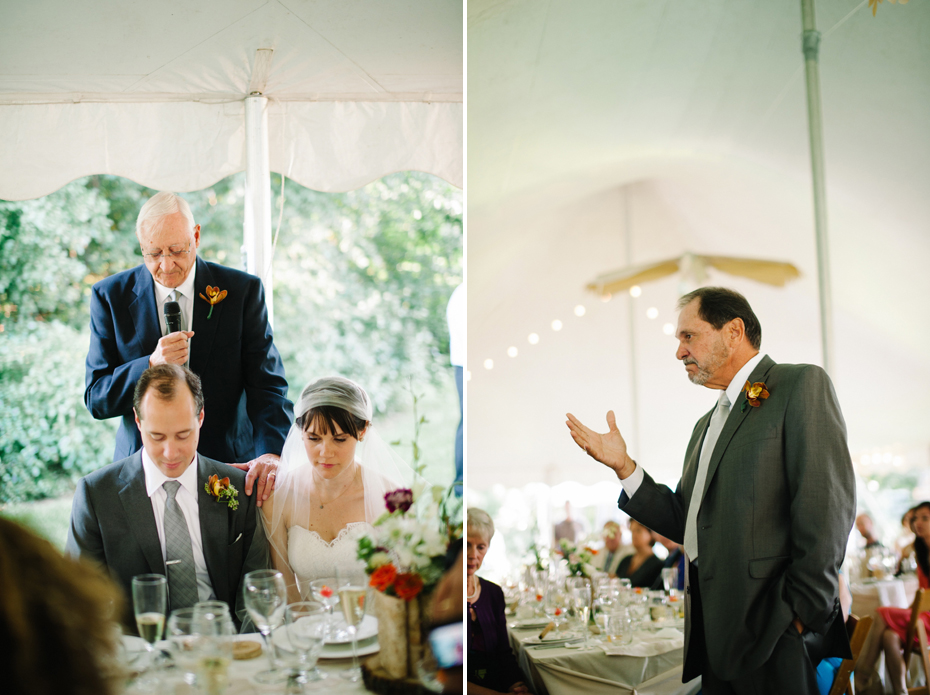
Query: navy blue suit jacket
x=245 y=394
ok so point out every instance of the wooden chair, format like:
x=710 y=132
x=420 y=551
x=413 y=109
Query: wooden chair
x=917 y=631
x=858 y=630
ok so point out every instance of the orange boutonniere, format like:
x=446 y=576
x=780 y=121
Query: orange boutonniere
x=755 y=393
x=223 y=491
x=214 y=296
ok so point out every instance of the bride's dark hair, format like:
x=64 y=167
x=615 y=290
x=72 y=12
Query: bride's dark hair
x=326 y=417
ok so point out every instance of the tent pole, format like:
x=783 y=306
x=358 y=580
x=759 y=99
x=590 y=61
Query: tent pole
x=631 y=313
x=811 y=47
x=257 y=231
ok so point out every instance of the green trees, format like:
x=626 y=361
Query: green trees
x=361 y=284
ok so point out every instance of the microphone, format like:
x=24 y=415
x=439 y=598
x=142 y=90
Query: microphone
x=173 y=317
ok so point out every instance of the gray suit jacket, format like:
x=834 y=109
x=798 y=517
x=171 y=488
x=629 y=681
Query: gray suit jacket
x=112 y=523
x=778 y=506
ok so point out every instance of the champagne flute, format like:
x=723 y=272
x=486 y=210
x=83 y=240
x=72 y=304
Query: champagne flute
x=353 y=595
x=149 y=604
x=265 y=599
x=308 y=627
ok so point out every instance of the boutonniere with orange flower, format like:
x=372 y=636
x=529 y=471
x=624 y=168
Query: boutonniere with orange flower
x=755 y=394
x=214 y=296
x=223 y=491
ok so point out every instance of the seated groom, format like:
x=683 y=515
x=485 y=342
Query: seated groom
x=151 y=512
x=224 y=338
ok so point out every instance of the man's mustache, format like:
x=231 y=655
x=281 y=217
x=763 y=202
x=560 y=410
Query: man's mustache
x=689 y=360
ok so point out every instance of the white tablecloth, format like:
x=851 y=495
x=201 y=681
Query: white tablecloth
x=564 y=671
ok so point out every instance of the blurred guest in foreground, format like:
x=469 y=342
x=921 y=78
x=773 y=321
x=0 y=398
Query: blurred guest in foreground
x=492 y=667
x=891 y=623
x=676 y=559
x=642 y=567
x=446 y=610
x=57 y=620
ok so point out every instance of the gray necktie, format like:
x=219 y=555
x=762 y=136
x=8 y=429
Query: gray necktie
x=179 y=553
x=717 y=421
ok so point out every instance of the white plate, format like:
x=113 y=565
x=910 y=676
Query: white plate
x=340 y=633
x=344 y=651
x=561 y=639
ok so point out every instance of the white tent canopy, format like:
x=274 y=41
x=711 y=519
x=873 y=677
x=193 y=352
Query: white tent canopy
x=155 y=91
x=629 y=133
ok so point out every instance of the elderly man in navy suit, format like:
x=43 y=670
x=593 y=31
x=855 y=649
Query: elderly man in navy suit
x=225 y=338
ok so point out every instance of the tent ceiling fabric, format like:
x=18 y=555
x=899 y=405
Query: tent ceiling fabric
x=625 y=134
x=155 y=91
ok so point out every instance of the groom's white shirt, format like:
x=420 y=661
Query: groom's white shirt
x=187 y=500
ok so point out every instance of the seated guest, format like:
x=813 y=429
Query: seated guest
x=891 y=623
x=162 y=510
x=676 y=558
x=609 y=558
x=57 y=620
x=904 y=543
x=866 y=528
x=492 y=667
x=642 y=567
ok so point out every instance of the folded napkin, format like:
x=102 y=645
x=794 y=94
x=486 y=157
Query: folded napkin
x=647 y=643
x=891 y=593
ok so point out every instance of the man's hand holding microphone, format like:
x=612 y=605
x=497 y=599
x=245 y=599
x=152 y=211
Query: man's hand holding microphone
x=173 y=348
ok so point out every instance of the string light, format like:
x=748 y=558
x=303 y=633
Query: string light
x=668 y=329
x=489 y=364
x=579 y=310
x=533 y=338
x=557 y=325
x=606 y=297
x=512 y=351
x=652 y=312
x=636 y=290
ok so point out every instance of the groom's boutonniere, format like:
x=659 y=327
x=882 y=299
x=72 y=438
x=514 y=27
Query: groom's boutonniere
x=755 y=393
x=214 y=296
x=223 y=491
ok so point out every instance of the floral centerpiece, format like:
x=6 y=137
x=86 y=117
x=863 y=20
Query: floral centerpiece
x=404 y=556
x=579 y=558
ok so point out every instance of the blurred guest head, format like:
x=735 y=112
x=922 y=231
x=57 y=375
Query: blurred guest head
x=56 y=619
x=612 y=536
x=865 y=527
x=907 y=521
x=642 y=536
x=478 y=538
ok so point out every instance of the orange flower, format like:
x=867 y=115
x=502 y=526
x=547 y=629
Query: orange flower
x=214 y=296
x=408 y=585
x=217 y=486
x=223 y=491
x=383 y=577
x=755 y=392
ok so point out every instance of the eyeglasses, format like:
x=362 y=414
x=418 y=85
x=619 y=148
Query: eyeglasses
x=172 y=252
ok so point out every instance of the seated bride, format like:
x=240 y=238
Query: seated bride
x=334 y=473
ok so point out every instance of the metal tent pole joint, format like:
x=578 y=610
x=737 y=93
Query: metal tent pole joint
x=811 y=44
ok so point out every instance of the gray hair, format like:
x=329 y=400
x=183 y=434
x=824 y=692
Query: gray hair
x=161 y=204
x=479 y=521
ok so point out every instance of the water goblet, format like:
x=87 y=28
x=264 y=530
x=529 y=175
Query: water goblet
x=265 y=599
x=181 y=638
x=307 y=630
x=213 y=629
x=149 y=604
x=353 y=597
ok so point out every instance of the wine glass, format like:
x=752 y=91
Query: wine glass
x=149 y=604
x=308 y=628
x=213 y=629
x=353 y=595
x=265 y=599
x=181 y=637
x=581 y=598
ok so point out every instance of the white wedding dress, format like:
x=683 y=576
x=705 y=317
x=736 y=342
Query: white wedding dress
x=313 y=558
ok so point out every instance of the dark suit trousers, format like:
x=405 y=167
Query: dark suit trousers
x=790 y=669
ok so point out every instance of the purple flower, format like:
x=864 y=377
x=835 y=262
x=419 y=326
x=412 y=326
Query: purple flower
x=400 y=499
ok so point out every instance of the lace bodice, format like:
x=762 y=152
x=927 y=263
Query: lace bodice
x=313 y=558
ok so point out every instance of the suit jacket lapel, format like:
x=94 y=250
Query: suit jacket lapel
x=143 y=309
x=737 y=416
x=204 y=329
x=694 y=454
x=139 y=514
x=214 y=518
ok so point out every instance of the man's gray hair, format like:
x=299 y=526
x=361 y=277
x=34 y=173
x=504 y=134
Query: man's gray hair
x=479 y=521
x=161 y=204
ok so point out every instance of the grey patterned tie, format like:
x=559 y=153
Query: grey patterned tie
x=179 y=553
x=717 y=420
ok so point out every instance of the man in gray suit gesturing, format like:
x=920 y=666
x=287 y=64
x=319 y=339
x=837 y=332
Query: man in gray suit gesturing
x=153 y=513
x=764 y=506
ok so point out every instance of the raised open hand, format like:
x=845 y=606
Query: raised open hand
x=608 y=448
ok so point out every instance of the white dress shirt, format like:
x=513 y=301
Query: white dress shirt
x=632 y=482
x=187 y=500
x=185 y=300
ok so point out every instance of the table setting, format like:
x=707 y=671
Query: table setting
x=575 y=633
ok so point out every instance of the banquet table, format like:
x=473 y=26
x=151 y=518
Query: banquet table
x=566 y=671
x=241 y=675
